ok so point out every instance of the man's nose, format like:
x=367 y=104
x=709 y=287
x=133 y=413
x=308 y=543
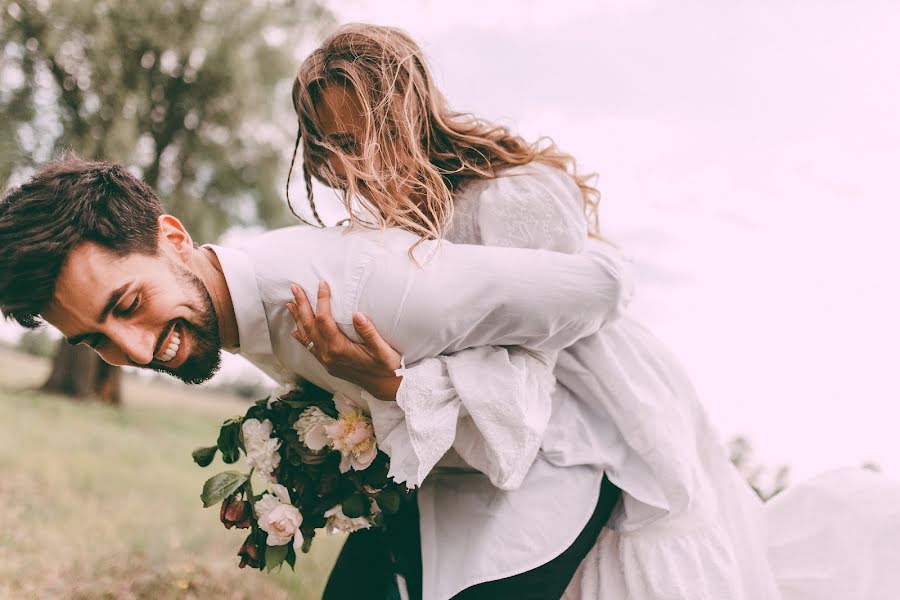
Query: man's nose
x=137 y=344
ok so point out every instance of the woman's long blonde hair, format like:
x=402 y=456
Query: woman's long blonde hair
x=416 y=151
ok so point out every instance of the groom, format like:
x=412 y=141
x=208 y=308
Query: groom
x=87 y=247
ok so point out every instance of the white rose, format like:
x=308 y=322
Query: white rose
x=310 y=428
x=338 y=521
x=260 y=447
x=279 y=518
x=256 y=432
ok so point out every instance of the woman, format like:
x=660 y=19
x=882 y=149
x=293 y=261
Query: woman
x=374 y=126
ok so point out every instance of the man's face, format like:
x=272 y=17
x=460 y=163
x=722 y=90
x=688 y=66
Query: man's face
x=138 y=310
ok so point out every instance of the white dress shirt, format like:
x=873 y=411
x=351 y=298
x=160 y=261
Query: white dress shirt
x=460 y=297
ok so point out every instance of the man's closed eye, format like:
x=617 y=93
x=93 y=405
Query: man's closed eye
x=130 y=309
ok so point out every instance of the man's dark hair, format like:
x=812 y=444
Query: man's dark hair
x=68 y=202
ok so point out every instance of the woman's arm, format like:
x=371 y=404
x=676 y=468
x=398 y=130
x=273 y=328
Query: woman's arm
x=468 y=296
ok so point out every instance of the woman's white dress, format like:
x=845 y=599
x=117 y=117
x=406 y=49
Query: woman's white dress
x=689 y=527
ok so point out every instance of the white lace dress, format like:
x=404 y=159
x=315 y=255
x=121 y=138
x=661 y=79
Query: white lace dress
x=688 y=528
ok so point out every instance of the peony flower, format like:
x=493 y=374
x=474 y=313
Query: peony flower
x=338 y=521
x=260 y=447
x=352 y=435
x=250 y=555
x=279 y=518
x=235 y=513
x=310 y=428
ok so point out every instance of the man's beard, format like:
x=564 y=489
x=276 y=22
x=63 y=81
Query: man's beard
x=205 y=357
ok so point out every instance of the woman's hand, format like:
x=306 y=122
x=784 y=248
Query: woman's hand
x=370 y=364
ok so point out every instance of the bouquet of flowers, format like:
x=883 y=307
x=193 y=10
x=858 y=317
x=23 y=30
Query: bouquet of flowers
x=317 y=454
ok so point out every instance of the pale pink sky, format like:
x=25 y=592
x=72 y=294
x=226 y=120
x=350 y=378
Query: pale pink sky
x=748 y=157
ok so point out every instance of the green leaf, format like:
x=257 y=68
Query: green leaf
x=231 y=457
x=257 y=411
x=300 y=405
x=228 y=441
x=291 y=557
x=388 y=501
x=376 y=475
x=275 y=555
x=218 y=487
x=354 y=506
x=204 y=456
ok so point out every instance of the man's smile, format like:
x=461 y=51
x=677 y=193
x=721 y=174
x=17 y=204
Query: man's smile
x=168 y=345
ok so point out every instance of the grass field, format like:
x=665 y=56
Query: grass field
x=98 y=502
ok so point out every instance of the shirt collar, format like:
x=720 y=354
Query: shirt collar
x=252 y=323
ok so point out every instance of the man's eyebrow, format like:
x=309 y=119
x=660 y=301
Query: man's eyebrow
x=114 y=298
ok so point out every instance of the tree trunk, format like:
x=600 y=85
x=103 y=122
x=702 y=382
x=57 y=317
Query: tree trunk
x=79 y=373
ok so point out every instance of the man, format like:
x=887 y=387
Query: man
x=87 y=247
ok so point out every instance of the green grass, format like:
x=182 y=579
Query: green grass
x=99 y=502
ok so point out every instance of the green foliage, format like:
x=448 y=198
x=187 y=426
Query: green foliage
x=204 y=456
x=38 y=342
x=193 y=95
x=388 y=501
x=222 y=485
x=229 y=440
x=275 y=555
x=355 y=505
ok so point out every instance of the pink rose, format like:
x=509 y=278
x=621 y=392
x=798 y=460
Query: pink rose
x=278 y=517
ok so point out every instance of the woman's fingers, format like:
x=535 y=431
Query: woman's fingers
x=324 y=320
x=373 y=340
x=331 y=347
x=367 y=331
x=303 y=316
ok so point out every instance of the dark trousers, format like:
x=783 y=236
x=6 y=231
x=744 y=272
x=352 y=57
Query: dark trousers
x=367 y=563
x=365 y=567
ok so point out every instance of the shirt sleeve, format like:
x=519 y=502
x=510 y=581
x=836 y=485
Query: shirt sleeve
x=490 y=404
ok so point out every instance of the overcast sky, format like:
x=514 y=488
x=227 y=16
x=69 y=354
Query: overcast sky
x=748 y=158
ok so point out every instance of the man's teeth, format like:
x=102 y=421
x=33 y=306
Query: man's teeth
x=172 y=350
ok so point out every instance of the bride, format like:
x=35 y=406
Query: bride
x=518 y=471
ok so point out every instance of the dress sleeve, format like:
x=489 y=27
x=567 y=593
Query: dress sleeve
x=460 y=296
x=490 y=404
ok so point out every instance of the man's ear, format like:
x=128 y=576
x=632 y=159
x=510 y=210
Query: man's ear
x=174 y=236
